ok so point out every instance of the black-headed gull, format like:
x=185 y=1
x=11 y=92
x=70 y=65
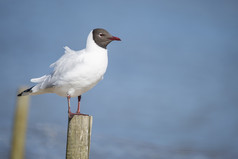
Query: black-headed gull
x=76 y=72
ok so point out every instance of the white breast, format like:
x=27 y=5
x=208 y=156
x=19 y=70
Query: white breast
x=84 y=75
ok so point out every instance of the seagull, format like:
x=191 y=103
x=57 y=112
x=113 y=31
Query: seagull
x=76 y=72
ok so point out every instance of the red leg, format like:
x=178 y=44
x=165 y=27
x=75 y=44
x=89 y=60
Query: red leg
x=78 y=110
x=68 y=99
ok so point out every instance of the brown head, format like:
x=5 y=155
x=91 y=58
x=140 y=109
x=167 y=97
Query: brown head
x=102 y=37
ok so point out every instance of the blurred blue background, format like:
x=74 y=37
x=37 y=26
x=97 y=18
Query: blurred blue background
x=170 y=90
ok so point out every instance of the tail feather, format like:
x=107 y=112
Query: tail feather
x=25 y=92
x=39 y=80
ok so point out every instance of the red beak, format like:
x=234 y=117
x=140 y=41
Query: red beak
x=114 y=38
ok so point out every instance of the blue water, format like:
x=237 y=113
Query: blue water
x=170 y=90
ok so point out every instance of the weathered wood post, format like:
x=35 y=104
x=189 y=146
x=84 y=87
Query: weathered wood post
x=79 y=137
x=19 y=127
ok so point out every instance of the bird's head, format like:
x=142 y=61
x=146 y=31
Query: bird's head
x=102 y=37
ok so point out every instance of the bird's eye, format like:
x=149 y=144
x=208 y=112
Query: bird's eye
x=101 y=34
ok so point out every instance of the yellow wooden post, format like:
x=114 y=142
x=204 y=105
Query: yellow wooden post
x=78 y=137
x=19 y=128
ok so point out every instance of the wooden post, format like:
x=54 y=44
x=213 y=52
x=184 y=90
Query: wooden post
x=78 y=137
x=19 y=128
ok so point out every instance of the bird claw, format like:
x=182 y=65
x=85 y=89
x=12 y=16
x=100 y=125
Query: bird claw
x=71 y=115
